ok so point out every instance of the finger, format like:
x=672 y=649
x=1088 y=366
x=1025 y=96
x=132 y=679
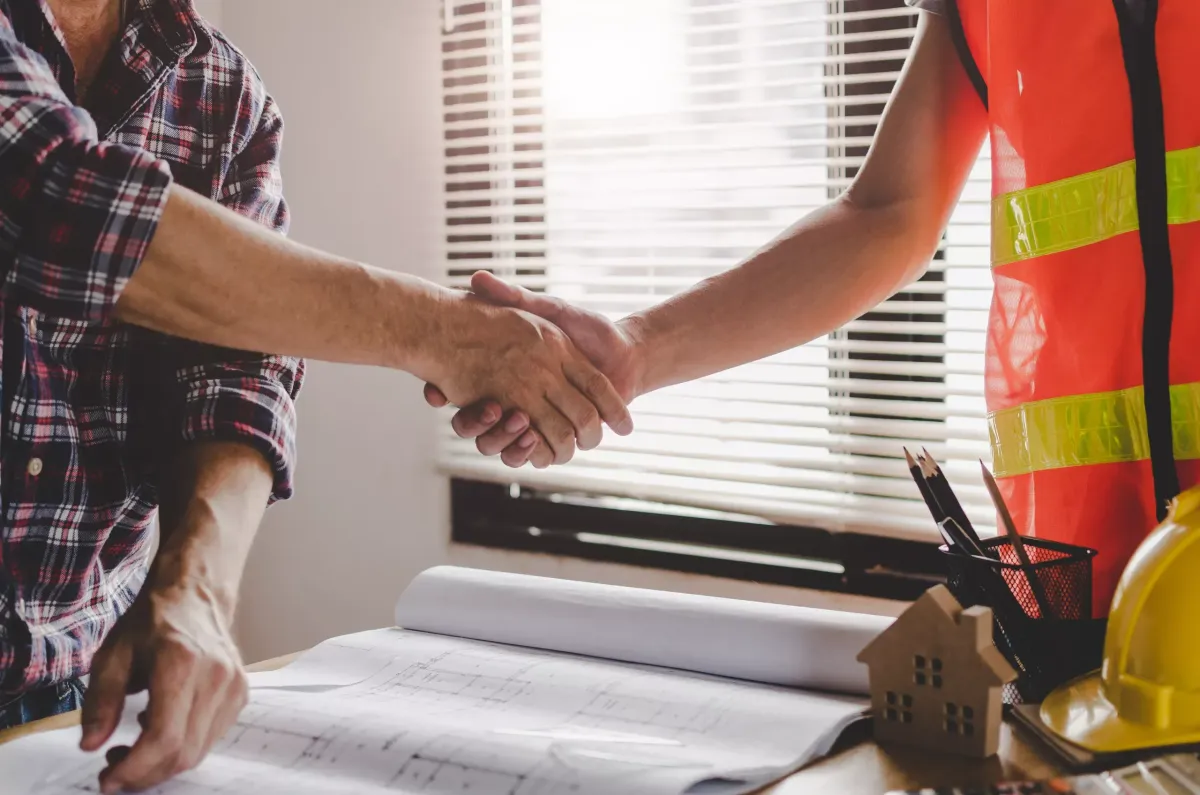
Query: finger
x=542 y=456
x=600 y=391
x=518 y=453
x=229 y=711
x=584 y=416
x=503 y=434
x=202 y=720
x=435 y=397
x=228 y=694
x=115 y=754
x=105 y=696
x=477 y=420
x=159 y=750
x=557 y=429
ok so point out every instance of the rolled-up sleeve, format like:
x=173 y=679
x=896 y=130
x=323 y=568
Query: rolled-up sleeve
x=76 y=215
x=237 y=395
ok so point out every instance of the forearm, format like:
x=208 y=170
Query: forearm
x=829 y=268
x=843 y=259
x=212 y=276
x=211 y=504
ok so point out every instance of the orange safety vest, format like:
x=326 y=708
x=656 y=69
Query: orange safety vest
x=1093 y=349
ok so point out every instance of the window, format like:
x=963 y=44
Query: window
x=904 y=715
x=614 y=152
x=927 y=671
x=958 y=720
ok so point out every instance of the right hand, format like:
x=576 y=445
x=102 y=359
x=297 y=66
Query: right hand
x=609 y=346
x=518 y=361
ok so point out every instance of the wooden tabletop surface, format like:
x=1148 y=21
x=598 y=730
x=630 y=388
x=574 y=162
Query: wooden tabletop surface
x=857 y=766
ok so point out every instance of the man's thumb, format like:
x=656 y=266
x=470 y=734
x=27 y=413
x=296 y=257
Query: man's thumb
x=491 y=287
x=435 y=397
x=105 y=697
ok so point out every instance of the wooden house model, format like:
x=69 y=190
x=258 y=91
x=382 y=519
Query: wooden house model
x=937 y=679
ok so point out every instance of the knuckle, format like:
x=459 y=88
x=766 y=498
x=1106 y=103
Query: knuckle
x=590 y=417
x=596 y=383
x=166 y=743
x=188 y=760
x=564 y=439
x=220 y=675
x=459 y=426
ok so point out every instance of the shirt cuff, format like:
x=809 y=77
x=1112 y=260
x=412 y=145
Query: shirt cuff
x=258 y=411
x=90 y=226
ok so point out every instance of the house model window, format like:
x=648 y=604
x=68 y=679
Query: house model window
x=958 y=719
x=936 y=678
x=899 y=707
x=927 y=672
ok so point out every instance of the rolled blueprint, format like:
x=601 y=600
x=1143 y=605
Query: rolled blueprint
x=774 y=644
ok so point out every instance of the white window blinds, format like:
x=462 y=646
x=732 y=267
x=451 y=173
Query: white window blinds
x=613 y=152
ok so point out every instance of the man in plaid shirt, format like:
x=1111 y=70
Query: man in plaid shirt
x=140 y=208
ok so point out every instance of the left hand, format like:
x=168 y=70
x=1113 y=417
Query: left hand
x=175 y=641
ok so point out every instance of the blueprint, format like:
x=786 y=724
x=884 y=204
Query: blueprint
x=399 y=710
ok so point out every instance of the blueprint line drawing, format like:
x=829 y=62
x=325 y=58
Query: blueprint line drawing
x=407 y=711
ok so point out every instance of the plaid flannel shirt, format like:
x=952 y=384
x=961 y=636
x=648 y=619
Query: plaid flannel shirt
x=92 y=409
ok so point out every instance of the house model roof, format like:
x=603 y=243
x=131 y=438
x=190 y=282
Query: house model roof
x=938 y=615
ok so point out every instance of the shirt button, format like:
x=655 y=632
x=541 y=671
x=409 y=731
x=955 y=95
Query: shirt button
x=34 y=467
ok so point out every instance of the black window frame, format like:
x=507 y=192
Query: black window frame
x=516 y=518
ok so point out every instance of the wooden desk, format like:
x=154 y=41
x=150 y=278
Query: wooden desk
x=857 y=767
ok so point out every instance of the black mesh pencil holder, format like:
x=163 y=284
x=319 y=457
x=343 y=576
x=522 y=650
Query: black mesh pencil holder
x=1046 y=651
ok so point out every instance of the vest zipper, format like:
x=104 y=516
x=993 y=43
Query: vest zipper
x=1137 y=23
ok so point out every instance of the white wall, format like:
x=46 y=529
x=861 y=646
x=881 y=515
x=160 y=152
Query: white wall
x=358 y=85
x=210 y=10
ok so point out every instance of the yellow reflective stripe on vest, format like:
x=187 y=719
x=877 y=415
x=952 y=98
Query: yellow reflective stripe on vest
x=1086 y=209
x=1080 y=430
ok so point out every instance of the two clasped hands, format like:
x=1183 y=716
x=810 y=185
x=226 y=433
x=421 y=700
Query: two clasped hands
x=521 y=434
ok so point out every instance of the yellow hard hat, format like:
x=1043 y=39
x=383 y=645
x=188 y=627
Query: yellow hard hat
x=1148 y=691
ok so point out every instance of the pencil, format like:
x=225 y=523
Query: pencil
x=940 y=485
x=1010 y=527
x=923 y=486
x=953 y=540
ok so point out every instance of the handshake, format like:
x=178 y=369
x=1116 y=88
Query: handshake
x=536 y=377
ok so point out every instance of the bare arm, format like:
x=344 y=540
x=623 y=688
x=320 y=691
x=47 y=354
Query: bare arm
x=212 y=276
x=826 y=270
x=176 y=639
x=845 y=258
